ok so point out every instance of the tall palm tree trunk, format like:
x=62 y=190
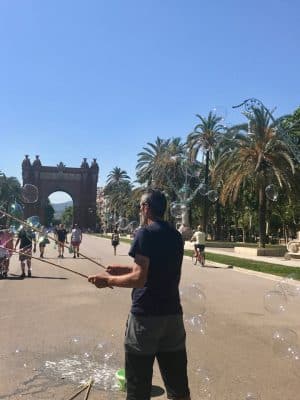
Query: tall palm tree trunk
x=262 y=217
x=218 y=221
x=205 y=205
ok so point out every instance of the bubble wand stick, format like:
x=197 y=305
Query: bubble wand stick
x=50 y=237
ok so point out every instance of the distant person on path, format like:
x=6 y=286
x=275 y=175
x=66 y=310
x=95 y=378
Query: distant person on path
x=43 y=241
x=27 y=241
x=76 y=239
x=155 y=326
x=115 y=240
x=199 y=238
x=61 y=237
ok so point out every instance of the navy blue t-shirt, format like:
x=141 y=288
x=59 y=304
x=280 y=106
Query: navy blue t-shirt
x=163 y=245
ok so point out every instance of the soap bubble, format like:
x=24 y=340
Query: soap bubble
x=194 y=294
x=34 y=221
x=220 y=111
x=290 y=285
x=29 y=193
x=275 y=301
x=271 y=192
x=203 y=189
x=175 y=209
x=213 y=195
x=284 y=342
x=16 y=210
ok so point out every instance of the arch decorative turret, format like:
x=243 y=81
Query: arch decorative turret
x=79 y=183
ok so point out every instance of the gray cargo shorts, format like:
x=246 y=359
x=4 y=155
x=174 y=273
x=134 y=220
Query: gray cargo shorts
x=154 y=334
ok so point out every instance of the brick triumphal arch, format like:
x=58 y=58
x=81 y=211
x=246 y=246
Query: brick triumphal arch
x=79 y=183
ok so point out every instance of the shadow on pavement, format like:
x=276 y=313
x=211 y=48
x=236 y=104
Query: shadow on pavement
x=14 y=277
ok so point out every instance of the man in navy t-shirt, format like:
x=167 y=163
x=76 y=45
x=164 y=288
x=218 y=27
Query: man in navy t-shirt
x=155 y=325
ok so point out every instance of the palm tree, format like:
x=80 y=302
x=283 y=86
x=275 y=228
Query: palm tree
x=117 y=175
x=205 y=136
x=258 y=158
x=159 y=164
x=118 y=191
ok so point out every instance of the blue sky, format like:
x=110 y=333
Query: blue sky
x=102 y=78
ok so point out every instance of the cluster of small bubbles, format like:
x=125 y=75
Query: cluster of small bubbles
x=252 y=396
x=34 y=221
x=196 y=323
x=203 y=383
x=79 y=369
x=285 y=343
x=271 y=192
x=203 y=189
x=275 y=301
x=212 y=195
x=29 y=193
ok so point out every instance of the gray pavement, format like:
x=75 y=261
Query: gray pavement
x=57 y=329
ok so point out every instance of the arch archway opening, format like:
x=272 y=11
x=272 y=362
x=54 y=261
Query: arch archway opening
x=61 y=206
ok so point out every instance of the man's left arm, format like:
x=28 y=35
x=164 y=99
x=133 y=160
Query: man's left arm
x=136 y=278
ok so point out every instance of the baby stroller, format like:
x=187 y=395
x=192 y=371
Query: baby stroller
x=6 y=246
x=4 y=262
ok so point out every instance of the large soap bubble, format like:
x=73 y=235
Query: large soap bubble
x=196 y=323
x=203 y=189
x=34 y=221
x=212 y=195
x=175 y=209
x=16 y=210
x=29 y=193
x=275 y=301
x=284 y=342
x=271 y=192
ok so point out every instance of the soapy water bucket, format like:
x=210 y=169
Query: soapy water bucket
x=120 y=375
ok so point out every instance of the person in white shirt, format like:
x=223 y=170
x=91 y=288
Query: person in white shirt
x=76 y=239
x=199 y=238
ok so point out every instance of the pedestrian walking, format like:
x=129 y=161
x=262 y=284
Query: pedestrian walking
x=115 y=240
x=61 y=237
x=76 y=239
x=27 y=243
x=43 y=241
x=155 y=326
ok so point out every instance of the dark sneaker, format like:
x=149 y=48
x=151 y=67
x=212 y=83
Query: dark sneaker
x=22 y=275
x=74 y=256
x=29 y=274
x=62 y=256
x=77 y=255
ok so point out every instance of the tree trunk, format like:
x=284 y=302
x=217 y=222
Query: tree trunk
x=262 y=217
x=205 y=205
x=218 y=221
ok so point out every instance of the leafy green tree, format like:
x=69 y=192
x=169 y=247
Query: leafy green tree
x=205 y=137
x=118 y=191
x=49 y=213
x=67 y=216
x=259 y=158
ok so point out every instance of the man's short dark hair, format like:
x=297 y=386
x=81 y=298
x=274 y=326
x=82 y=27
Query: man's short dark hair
x=156 y=201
